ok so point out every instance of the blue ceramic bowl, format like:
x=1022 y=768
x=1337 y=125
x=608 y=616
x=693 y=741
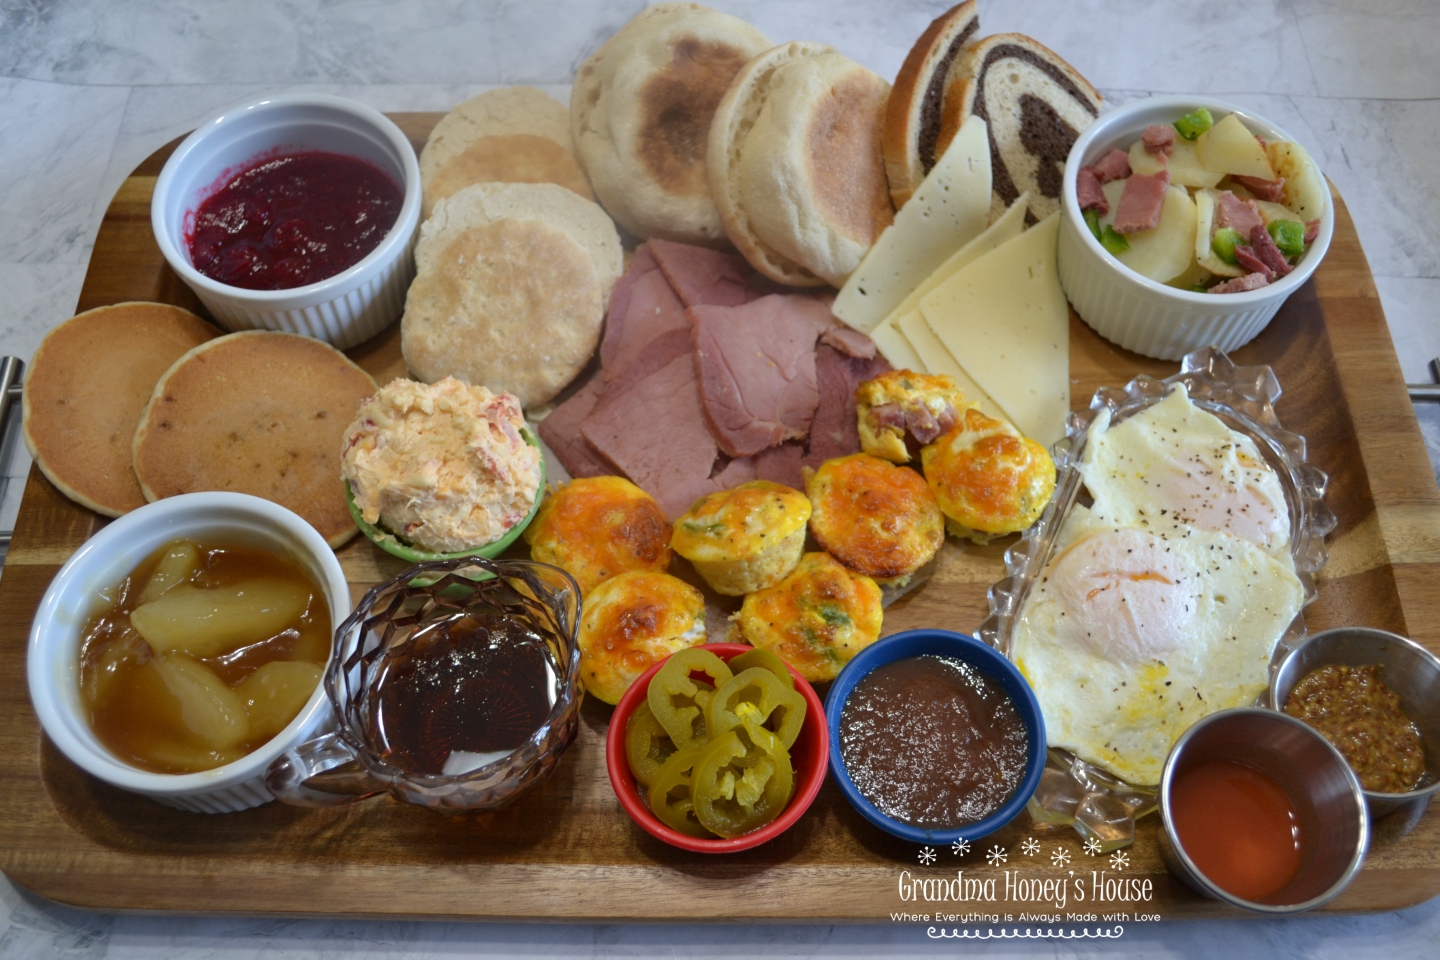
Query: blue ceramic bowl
x=941 y=643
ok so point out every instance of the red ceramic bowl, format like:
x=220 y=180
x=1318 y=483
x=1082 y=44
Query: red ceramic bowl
x=809 y=755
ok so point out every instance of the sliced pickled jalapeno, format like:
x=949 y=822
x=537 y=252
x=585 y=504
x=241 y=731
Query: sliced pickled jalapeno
x=756 y=694
x=679 y=702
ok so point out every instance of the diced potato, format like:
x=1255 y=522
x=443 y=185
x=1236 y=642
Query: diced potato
x=1305 y=191
x=1204 y=222
x=1183 y=165
x=211 y=711
x=1196 y=274
x=1168 y=250
x=1231 y=148
x=208 y=623
x=275 y=692
x=179 y=563
x=1271 y=212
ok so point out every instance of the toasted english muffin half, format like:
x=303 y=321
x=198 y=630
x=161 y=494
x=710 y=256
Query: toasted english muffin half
x=795 y=163
x=495 y=113
x=510 y=158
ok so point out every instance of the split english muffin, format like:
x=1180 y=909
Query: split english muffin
x=257 y=412
x=510 y=288
x=86 y=388
x=640 y=114
x=510 y=111
x=795 y=163
x=512 y=158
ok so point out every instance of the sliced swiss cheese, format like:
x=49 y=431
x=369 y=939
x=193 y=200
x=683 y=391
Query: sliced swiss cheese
x=938 y=359
x=950 y=208
x=895 y=347
x=1005 y=319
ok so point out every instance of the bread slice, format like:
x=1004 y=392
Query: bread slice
x=495 y=113
x=912 y=115
x=640 y=113
x=1036 y=106
x=795 y=163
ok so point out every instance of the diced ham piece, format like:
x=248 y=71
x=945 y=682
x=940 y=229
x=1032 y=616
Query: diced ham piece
x=1312 y=230
x=1159 y=138
x=643 y=308
x=922 y=424
x=890 y=415
x=702 y=276
x=1251 y=281
x=1231 y=211
x=1087 y=189
x=1271 y=191
x=561 y=432
x=1245 y=257
x=1268 y=253
x=834 y=432
x=1141 y=201
x=1115 y=165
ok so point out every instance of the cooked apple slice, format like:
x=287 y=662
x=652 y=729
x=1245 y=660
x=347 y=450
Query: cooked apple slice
x=275 y=692
x=97 y=676
x=1305 y=192
x=1229 y=147
x=208 y=623
x=177 y=566
x=211 y=711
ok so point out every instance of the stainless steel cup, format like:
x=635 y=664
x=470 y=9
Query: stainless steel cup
x=1334 y=828
x=1405 y=667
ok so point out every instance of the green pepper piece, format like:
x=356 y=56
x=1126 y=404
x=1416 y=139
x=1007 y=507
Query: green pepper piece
x=670 y=795
x=1092 y=220
x=766 y=659
x=757 y=695
x=1224 y=243
x=675 y=699
x=741 y=784
x=1114 y=241
x=647 y=745
x=1192 y=125
x=1289 y=236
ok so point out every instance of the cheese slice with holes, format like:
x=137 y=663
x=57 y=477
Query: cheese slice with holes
x=951 y=208
x=1005 y=319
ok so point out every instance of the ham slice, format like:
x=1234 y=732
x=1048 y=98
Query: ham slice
x=756 y=365
x=1272 y=191
x=705 y=277
x=1159 y=138
x=1087 y=189
x=561 y=432
x=782 y=464
x=1231 y=211
x=1115 y=165
x=1245 y=257
x=834 y=432
x=1268 y=253
x=643 y=308
x=1141 y=202
x=1251 y=281
x=849 y=341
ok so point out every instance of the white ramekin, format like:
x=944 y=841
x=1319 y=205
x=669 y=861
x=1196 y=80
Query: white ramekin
x=53 y=665
x=343 y=310
x=1140 y=314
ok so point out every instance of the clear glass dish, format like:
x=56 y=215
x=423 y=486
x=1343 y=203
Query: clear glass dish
x=1072 y=791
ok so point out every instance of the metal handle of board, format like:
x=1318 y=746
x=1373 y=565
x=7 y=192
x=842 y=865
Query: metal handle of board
x=11 y=369
x=1426 y=391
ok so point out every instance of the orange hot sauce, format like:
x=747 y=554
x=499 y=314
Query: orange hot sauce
x=1237 y=826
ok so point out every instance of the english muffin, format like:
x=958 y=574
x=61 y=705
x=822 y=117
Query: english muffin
x=512 y=158
x=876 y=518
x=795 y=163
x=505 y=112
x=816 y=619
x=640 y=113
x=988 y=479
x=631 y=622
x=596 y=527
x=86 y=387
x=744 y=538
x=255 y=412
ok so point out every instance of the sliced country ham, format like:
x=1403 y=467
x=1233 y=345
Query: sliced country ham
x=1159 y=138
x=1241 y=215
x=1087 y=189
x=1140 y=202
x=781 y=464
x=849 y=341
x=1272 y=191
x=1115 y=165
x=561 y=432
x=643 y=308
x=702 y=276
x=1268 y=253
x=1246 y=259
x=1251 y=281
x=834 y=432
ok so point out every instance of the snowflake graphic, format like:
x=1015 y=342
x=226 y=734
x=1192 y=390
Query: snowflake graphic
x=1030 y=847
x=1119 y=860
x=960 y=847
x=1060 y=857
x=1092 y=846
x=996 y=856
x=927 y=855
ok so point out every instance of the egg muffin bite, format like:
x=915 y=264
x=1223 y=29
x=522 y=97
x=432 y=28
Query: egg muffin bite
x=874 y=517
x=632 y=621
x=745 y=538
x=596 y=527
x=898 y=402
x=988 y=479
x=816 y=619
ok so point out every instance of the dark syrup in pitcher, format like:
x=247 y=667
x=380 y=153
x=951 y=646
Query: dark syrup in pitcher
x=462 y=693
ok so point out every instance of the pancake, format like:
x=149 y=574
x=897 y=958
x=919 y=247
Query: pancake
x=85 y=389
x=255 y=412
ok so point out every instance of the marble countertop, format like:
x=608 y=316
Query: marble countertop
x=89 y=88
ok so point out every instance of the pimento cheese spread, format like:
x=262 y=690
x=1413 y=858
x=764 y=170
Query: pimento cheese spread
x=442 y=465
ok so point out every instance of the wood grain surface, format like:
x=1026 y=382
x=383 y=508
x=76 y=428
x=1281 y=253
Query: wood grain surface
x=568 y=851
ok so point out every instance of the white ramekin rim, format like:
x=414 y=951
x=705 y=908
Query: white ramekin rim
x=190 y=513
x=1101 y=131
x=392 y=246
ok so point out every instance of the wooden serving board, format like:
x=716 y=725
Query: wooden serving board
x=568 y=851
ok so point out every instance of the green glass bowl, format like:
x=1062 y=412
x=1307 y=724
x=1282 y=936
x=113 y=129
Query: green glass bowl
x=397 y=547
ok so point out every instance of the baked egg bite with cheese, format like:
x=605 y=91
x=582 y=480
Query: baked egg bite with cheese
x=745 y=538
x=596 y=527
x=816 y=619
x=988 y=479
x=876 y=518
x=632 y=621
x=902 y=402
